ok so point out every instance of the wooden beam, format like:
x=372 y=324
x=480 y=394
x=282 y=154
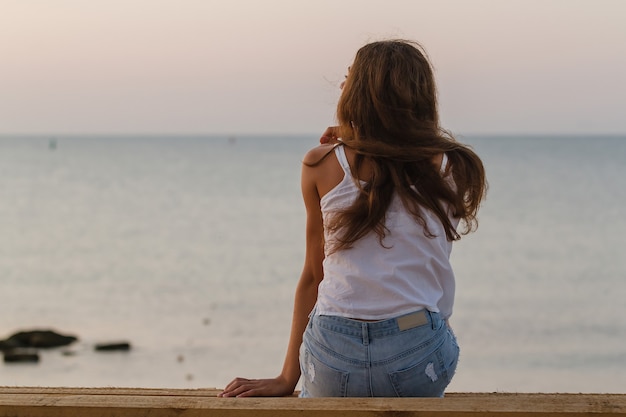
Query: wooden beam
x=121 y=402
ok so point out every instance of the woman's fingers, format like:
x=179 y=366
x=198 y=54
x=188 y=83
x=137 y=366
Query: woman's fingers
x=232 y=387
x=243 y=387
x=330 y=135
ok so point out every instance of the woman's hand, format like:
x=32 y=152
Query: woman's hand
x=330 y=135
x=272 y=387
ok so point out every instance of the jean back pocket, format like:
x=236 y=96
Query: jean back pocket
x=319 y=379
x=427 y=378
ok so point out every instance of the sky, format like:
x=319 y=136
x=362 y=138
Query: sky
x=274 y=66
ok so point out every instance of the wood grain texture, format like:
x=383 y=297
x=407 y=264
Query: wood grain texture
x=127 y=402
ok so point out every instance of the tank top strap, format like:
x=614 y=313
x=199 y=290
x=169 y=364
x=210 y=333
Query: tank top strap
x=444 y=163
x=340 y=152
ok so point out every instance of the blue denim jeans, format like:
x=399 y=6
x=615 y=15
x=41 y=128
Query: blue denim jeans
x=409 y=356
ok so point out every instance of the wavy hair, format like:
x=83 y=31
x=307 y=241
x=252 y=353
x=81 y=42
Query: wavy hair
x=388 y=115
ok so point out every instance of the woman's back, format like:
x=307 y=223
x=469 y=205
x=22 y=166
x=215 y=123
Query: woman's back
x=371 y=282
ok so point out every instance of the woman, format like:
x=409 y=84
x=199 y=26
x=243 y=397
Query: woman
x=383 y=204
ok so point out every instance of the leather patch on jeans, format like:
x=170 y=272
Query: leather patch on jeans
x=412 y=320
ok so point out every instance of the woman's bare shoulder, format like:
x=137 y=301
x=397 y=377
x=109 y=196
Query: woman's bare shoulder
x=321 y=167
x=317 y=154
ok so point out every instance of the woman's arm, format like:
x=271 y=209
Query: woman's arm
x=305 y=298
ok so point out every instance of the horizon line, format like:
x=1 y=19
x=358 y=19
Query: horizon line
x=281 y=134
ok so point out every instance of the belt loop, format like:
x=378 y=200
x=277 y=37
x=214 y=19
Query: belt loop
x=432 y=319
x=365 y=334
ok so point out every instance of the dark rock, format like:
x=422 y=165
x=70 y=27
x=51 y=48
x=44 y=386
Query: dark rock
x=21 y=356
x=124 y=346
x=6 y=345
x=36 y=339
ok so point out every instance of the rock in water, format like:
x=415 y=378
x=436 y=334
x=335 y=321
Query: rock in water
x=124 y=346
x=37 y=339
x=21 y=356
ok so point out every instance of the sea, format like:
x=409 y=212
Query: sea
x=190 y=248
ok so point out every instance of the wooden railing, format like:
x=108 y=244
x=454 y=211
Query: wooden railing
x=123 y=402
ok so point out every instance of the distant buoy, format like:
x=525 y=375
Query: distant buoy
x=52 y=145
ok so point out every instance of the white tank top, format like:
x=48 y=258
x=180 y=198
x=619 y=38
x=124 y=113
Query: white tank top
x=371 y=282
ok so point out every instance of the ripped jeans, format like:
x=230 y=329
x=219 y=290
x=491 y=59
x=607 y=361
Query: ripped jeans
x=408 y=356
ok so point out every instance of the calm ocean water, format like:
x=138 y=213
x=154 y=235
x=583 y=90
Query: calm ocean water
x=190 y=248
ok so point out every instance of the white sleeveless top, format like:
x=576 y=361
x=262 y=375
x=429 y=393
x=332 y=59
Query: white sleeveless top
x=371 y=282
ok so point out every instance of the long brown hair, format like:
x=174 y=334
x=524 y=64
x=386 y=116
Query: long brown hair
x=388 y=115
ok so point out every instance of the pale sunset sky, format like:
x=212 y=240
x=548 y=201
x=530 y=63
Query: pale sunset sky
x=274 y=66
